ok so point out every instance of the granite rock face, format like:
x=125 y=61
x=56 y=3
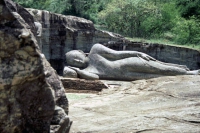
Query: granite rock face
x=60 y=34
x=165 y=104
x=29 y=87
x=170 y=54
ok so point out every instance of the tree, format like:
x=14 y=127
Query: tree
x=86 y=8
x=189 y=8
x=56 y=6
x=160 y=25
x=187 y=31
x=126 y=16
x=82 y=8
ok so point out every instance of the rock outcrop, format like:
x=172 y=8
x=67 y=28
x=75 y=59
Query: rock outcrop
x=166 y=104
x=30 y=90
x=61 y=34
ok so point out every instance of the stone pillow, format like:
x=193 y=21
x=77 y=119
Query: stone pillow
x=69 y=73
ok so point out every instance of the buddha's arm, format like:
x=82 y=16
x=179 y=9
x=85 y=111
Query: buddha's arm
x=117 y=55
x=85 y=75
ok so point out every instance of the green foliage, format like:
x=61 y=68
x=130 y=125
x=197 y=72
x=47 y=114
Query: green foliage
x=157 y=26
x=189 y=8
x=174 y=20
x=83 y=8
x=126 y=16
x=187 y=31
x=57 y=6
x=151 y=19
x=86 y=8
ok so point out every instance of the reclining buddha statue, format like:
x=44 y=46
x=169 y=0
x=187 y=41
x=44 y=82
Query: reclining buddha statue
x=105 y=63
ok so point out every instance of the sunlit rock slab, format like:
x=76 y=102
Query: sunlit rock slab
x=166 y=104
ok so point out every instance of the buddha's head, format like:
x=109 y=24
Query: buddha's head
x=77 y=58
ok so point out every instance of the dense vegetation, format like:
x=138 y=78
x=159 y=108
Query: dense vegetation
x=174 y=20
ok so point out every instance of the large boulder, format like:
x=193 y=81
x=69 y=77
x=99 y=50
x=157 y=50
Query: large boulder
x=30 y=90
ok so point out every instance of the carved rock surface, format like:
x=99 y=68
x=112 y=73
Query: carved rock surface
x=82 y=85
x=170 y=54
x=166 y=104
x=29 y=87
x=69 y=73
x=62 y=33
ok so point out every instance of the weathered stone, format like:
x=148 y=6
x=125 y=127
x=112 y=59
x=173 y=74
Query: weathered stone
x=166 y=53
x=62 y=33
x=69 y=73
x=166 y=104
x=29 y=86
x=82 y=85
x=105 y=63
x=60 y=121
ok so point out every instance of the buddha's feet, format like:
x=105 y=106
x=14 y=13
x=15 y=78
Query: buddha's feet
x=194 y=72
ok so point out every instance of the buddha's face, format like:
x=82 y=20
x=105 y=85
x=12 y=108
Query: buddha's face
x=77 y=58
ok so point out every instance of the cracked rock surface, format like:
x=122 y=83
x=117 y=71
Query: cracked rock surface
x=166 y=104
x=30 y=91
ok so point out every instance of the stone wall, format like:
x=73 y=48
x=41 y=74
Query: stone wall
x=169 y=54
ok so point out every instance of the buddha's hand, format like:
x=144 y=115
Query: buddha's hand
x=74 y=68
x=84 y=74
x=146 y=57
